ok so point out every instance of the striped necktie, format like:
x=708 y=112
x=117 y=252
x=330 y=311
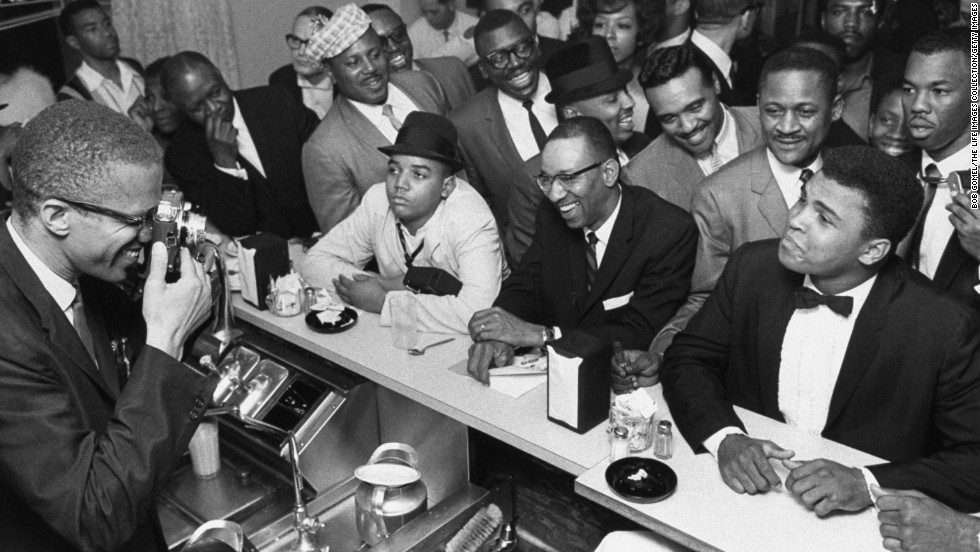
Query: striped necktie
x=81 y=324
x=590 y=256
x=389 y=113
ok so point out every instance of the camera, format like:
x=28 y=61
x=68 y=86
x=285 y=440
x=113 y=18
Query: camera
x=176 y=226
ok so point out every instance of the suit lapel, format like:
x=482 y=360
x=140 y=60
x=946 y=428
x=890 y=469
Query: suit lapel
x=685 y=165
x=745 y=133
x=772 y=205
x=952 y=261
x=264 y=141
x=616 y=253
x=500 y=137
x=570 y=254
x=107 y=362
x=360 y=127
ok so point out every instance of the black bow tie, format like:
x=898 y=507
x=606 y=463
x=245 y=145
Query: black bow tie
x=806 y=298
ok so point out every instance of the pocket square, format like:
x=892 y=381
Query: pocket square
x=616 y=302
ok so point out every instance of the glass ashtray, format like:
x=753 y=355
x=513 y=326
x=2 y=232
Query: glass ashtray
x=286 y=303
x=640 y=430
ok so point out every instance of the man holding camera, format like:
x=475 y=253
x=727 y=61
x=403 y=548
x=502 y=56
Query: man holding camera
x=429 y=232
x=89 y=437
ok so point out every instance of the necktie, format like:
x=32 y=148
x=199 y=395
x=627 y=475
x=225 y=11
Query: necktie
x=805 y=176
x=716 y=162
x=931 y=180
x=536 y=129
x=806 y=298
x=590 y=256
x=446 y=34
x=389 y=113
x=81 y=324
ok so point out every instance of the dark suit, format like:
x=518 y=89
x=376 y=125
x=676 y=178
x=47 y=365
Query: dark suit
x=452 y=76
x=908 y=389
x=285 y=77
x=341 y=159
x=650 y=255
x=276 y=203
x=547 y=45
x=82 y=461
x=673 y=172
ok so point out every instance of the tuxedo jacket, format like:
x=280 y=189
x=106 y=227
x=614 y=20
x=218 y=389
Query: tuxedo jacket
x=642 y=279
x=341 y=159
x=83 y=455
x=452 y=76
x=908 y=389
x=275 y=203
x=673 y=172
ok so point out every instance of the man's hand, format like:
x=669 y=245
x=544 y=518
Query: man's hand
x=222 y=141
x=744 y=463
x=642 y=369
x=913 y=522
x=363 y=291
x=825 y=486
x=966 y=220
x=496 y=324
x=485 y=354
x=173 y=311
x=139 y=112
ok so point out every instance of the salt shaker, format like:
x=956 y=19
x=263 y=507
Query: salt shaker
x=620 y=446
x=663 y=444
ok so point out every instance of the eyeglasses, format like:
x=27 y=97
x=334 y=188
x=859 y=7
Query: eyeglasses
x=137 y=221
x=501 y=58
x=566 y=181
x=295 y=43
x=398 y=35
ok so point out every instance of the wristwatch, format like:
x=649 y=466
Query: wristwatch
x=549 y=335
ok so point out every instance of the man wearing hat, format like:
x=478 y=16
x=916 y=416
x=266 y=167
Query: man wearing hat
x=585 y=81
x=341 y=160
x=421 y=216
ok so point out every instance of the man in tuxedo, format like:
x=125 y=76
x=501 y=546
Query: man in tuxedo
x=90 y=437
x=945 y=244
x=827 y=330
x=507 y=124
x=749 y=198
x=609 y=260
x=448 y=71
x=701 y=134
x=238 y=154
x=306 y=78
x=341 y=159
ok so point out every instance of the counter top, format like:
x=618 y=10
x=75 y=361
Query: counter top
x=438 y=381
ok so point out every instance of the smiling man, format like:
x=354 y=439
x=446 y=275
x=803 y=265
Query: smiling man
x=422 y=216
x=828 y=331
x=610 y=260
x=87 y=441
x=341 y=159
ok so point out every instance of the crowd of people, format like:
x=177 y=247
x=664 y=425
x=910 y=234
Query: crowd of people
x=791 y=228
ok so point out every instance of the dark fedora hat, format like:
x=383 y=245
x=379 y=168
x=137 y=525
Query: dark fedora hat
x=430 y=136
x=583 y=70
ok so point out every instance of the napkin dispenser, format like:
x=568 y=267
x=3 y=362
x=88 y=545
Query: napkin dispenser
x=578 y=381
x=261 y=257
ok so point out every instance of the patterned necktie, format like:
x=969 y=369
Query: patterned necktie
x=81 y=324
x=536 y=129
x=931 y=180
x=590 y=256
x=806 y=298
x=389 y=113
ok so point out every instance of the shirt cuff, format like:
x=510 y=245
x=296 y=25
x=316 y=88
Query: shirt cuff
x=238 y=172
x=714 y=442
x=869 y=480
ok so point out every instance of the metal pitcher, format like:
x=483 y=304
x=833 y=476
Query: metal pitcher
x=391 y=493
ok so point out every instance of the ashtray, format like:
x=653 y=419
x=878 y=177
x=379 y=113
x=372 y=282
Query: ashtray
x=641 y=480
x=336 y=322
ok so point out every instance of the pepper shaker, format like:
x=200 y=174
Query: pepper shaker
x=663 y=445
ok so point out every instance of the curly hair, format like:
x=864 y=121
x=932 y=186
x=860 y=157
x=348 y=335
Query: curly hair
x=649 y=17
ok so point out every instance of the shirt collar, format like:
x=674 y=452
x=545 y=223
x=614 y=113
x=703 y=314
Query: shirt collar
x=93 y=80
x=603 y=232
x=712 y=50
x=726 y=134
x=61 y=290
x=788 y=173
x=858 y=293
x=957 y=162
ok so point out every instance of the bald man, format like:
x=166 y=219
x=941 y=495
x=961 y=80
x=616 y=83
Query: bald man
x=238 y=153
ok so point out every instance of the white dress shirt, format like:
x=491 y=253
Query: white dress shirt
x=603 y=232
x=938 y=229
x=61 y=290
x=717 y=55
x=430 y=42
x=460 y=238
x=726 y=143
x=318 y=97
x=400 y=104
x=107 y=92
x=246 y=147
x=518 y=122
x=788 y=177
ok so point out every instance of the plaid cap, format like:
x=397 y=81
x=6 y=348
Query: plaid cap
x=338 y=33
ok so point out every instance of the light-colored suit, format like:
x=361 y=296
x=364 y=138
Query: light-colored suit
x=341 y=159
x=673 y=172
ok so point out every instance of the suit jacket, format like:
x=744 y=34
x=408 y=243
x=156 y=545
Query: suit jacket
x=275 y=203
x=646 y=268
x=82 y=459
x=285 y=77
x=452 y=76
x=908 y=389
x=341 y=159
x=673 y=173
x=546 y=44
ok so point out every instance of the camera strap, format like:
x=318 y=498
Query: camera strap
x=401 y=239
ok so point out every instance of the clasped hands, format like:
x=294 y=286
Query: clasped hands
x=640 y=369
x=366 y=291
x=823 y=486
x=496 y=333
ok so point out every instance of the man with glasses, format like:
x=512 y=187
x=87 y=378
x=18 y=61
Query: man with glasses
x=448 y=71
x=89 y=437
x=610 y=260
x=507 y=124
x=305 y=77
